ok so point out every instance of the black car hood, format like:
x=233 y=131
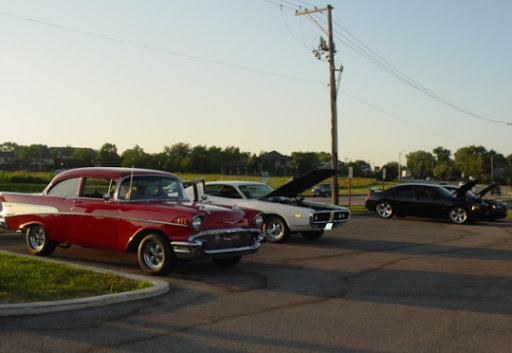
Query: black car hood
x=466 y=187
x=487 y=189
x=303 y=182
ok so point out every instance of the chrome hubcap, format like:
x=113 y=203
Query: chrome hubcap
x=153 y=255
x=384 y=210
x=37 y=238
x=458 y=215
x=275 y=230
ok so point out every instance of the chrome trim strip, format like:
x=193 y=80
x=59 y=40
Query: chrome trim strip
x=49 y=210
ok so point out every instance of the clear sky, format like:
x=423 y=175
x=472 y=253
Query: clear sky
x=242 y=73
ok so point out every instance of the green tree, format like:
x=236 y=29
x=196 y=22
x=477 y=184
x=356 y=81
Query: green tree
x=391 y=171
x=177 y=157
x=471 y=161
x=360 y=168
x=445 y=167
x=253 y=165
x=509 y=159
x=199 y=161
x=442 y=154
x=303 y=162
x=421 y=164
x=108 y=156
x=82 y=157
x=9 y=147
x=135 y=157
x=323 y=157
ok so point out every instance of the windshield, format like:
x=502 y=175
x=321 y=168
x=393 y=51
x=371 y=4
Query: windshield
x=255 y=191
x=146 y=187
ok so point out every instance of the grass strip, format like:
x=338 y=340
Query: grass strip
x=25 y=279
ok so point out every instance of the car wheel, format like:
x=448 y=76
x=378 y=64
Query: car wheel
x=275 y=229
x=155 y=255
x=384 y=209
x=228 y=261
x=458 y=215
x=313 y=234
x=38 y=242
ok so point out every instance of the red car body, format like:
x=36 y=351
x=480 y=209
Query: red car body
x=88 y=207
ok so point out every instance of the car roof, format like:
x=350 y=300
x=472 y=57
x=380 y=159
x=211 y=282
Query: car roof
x=107 y=172
x=459 y=191
x=417 y=184
x=234 y=182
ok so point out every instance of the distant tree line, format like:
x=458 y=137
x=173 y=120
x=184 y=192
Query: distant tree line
x=467 y=162
x=471 y=162
x=180 y=157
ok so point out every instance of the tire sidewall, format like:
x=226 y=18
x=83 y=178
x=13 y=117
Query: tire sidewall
x=168 y=258
x=459 y=210
x=269 y=225
x=47 y=245
x=386 y=205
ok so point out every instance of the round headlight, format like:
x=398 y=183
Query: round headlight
x=196 y=223
x=258 y=220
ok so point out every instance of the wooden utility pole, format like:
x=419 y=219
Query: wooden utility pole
x=333 y=92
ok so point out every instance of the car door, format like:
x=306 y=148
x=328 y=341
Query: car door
x=403 y=199
x=95 y=220
x=428 y=202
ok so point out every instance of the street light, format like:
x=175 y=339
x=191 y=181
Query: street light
x=399 y=165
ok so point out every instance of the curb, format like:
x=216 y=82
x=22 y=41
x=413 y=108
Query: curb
x=159 y=287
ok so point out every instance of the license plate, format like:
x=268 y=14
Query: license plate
x=328 y=226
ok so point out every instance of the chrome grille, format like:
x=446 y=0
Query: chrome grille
x=227 y=240
x=326 y=217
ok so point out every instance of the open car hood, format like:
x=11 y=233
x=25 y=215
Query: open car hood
x=487 y=189
x=303 y=182
x=466 y=187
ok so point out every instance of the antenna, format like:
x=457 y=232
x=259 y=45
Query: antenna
x=129 y=193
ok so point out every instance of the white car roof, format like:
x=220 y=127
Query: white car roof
x=235 y=182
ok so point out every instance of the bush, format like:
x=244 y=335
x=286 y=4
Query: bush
x=26 y=177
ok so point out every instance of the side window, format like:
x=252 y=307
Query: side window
x=230 y=192
x=97 y=187
x=425 y=192
x=405 y=191
x=150 y=187
x=213 y=190
x=66 y=188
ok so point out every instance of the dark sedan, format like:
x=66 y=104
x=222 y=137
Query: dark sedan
x=427 y=200
x=497 y=209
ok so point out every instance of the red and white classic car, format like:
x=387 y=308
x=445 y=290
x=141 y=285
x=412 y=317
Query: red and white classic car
x=131 y=210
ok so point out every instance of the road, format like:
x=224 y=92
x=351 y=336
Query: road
x=371 y=286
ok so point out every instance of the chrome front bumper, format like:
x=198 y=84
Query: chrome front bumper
x=219 y=244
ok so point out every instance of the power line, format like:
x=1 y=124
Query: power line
x=400 y=118
x=371 y=55
x=280 y=5
x=165 y=51
x=359 y=47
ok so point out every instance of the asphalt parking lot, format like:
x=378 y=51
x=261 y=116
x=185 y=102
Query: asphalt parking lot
x=371 y=286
